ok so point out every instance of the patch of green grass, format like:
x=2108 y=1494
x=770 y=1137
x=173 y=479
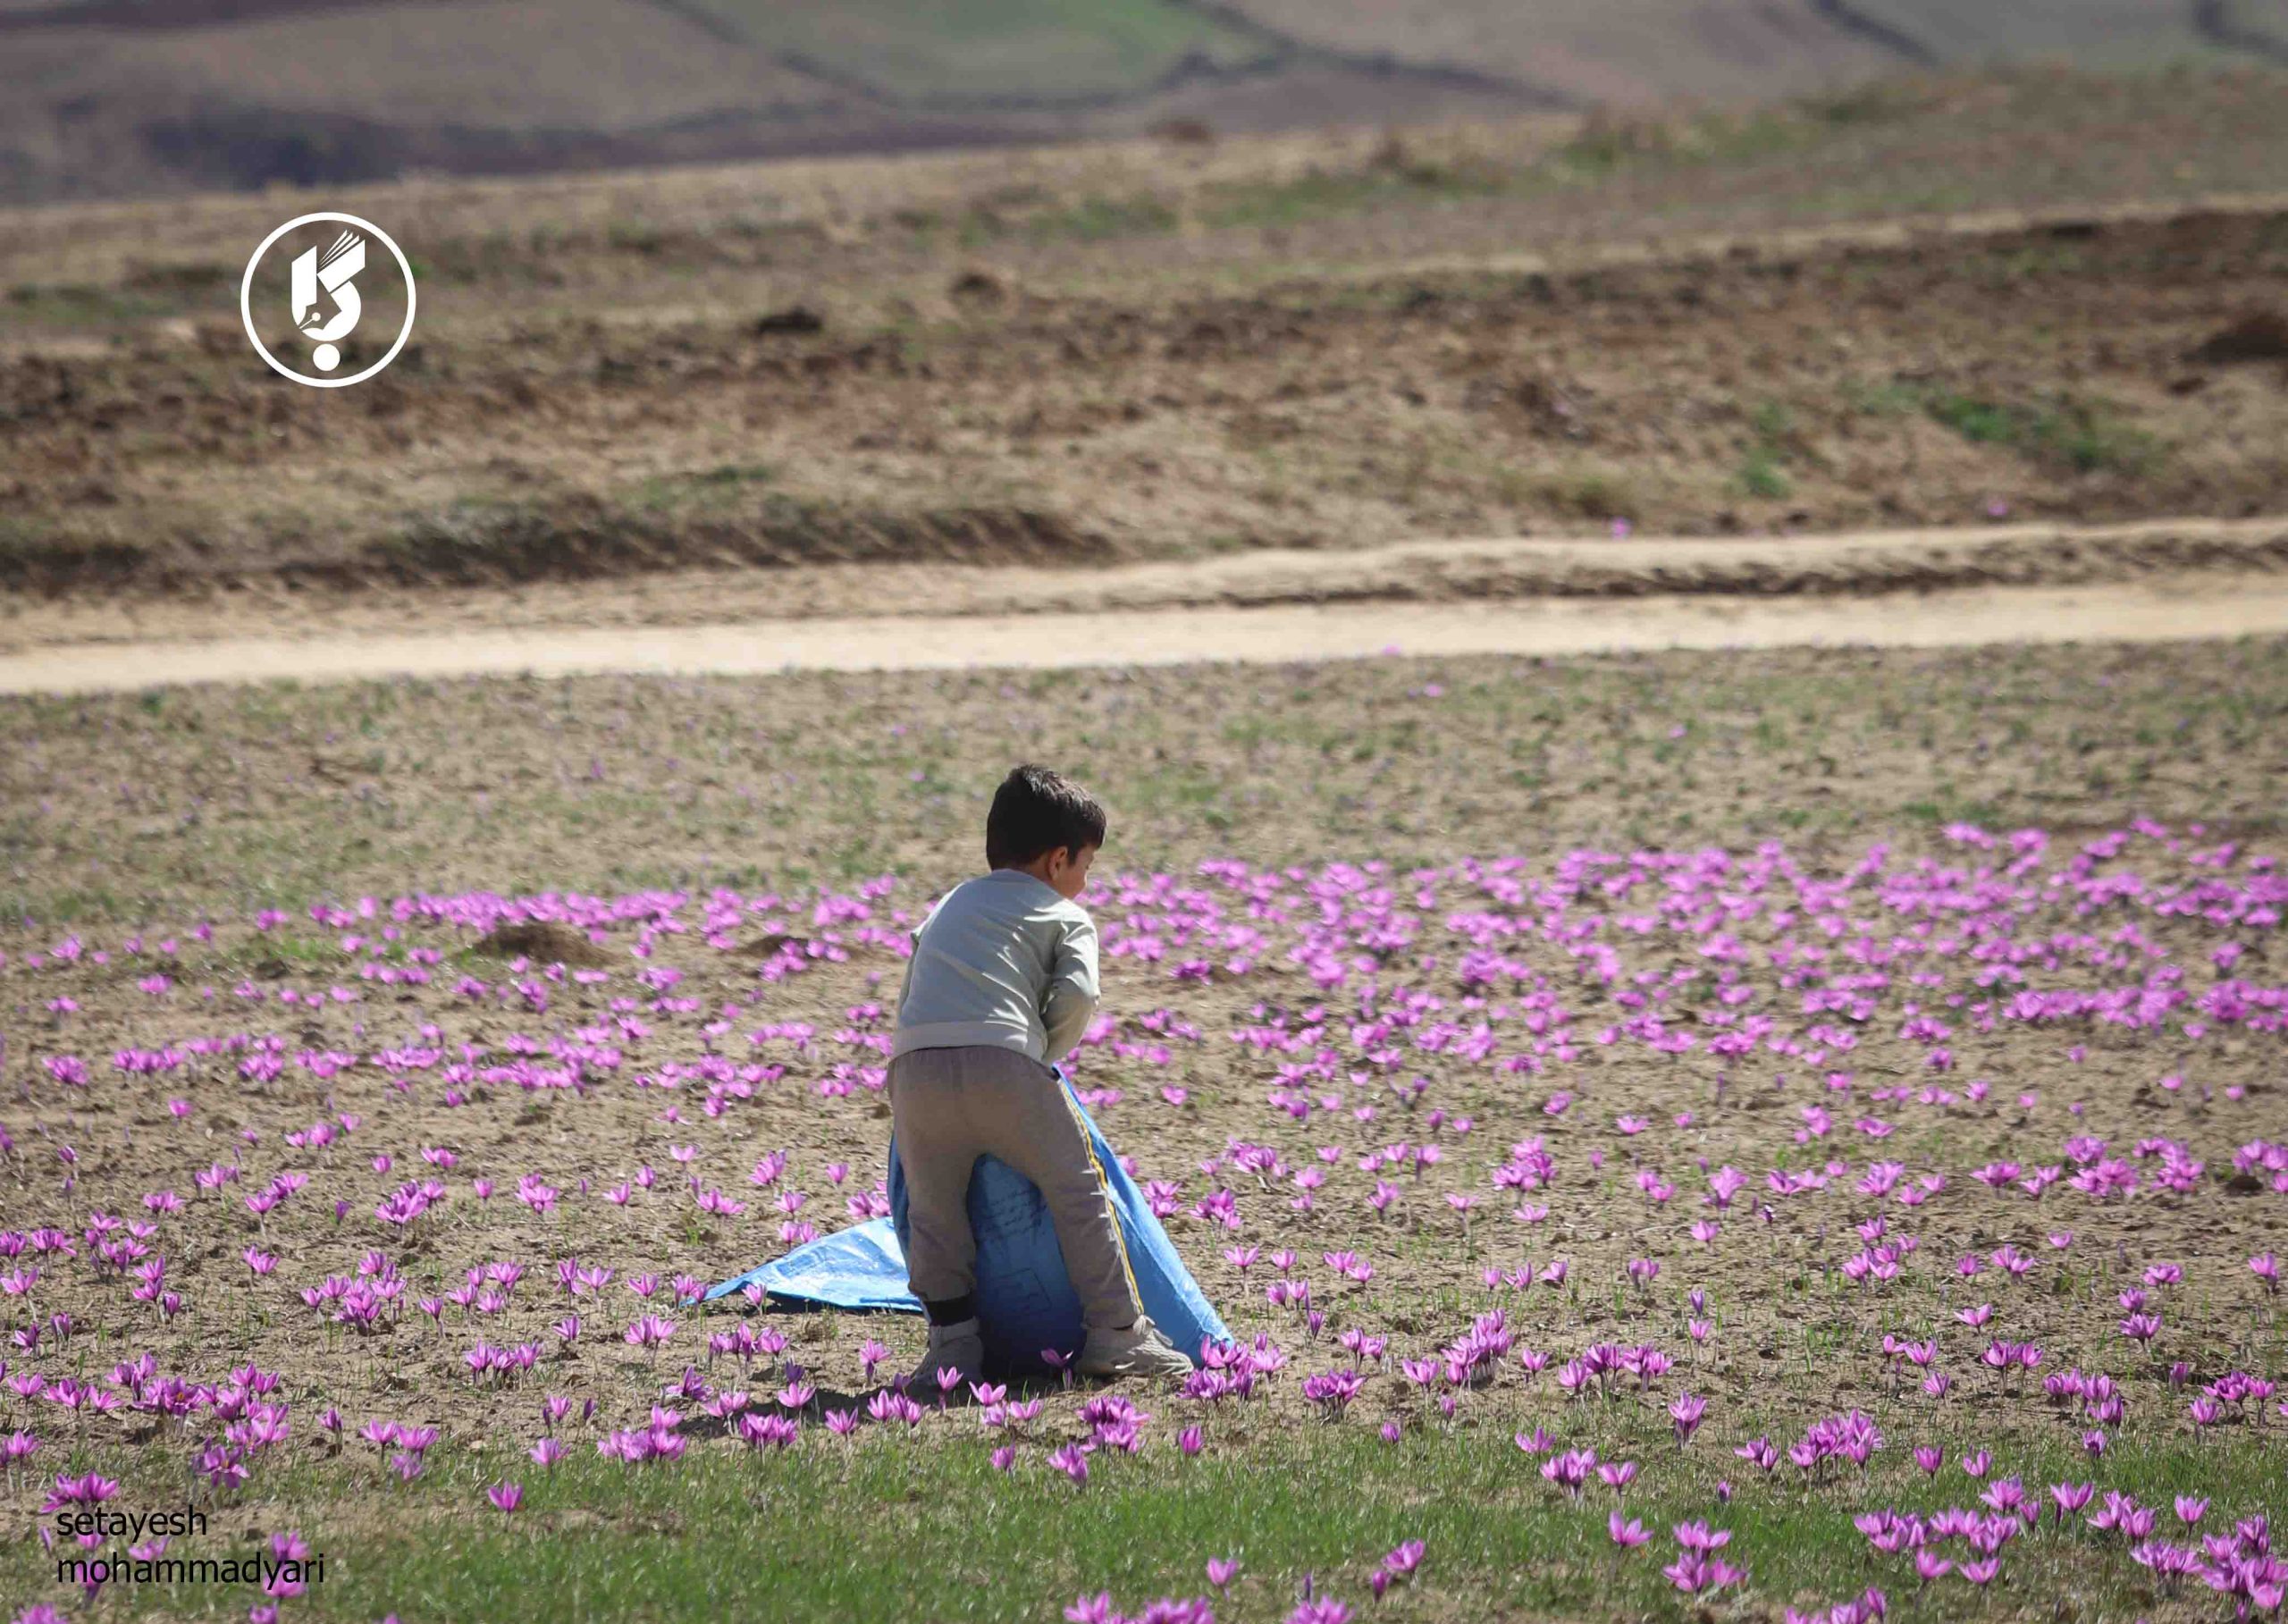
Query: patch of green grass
x=2069 y=431
x=703 y=488
x=1889 y=398
x=960 y=51
x=1603 y=150
x=890 y=1526
x=1761 y=475
x=1587 y=493
x=1979 y=422
x=634 y=237
x=78 y=304
x=71 y=904
x=1091 y=219
x=1321 y=193
x=1878 y=102
x=755 y=758
x=1095 y=219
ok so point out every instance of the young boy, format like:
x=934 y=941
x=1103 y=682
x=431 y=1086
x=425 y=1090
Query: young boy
x=1002 y=981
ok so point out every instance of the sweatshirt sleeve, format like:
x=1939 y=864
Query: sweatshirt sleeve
x=913 y=953
x=1070 y=998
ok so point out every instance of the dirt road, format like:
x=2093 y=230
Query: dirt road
x=2165 y=606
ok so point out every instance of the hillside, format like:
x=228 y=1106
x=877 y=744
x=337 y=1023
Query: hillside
x=1931 y=302
x=1634 y=53
x=136 y=98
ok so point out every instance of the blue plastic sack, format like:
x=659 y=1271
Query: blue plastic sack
x=1025 y=1300
x=861 y=1268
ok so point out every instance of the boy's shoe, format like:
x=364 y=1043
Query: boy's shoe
x=1137 y=1350
x=959 y=1347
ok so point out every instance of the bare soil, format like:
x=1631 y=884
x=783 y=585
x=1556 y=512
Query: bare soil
x=2165 y=609
x=1645 y=585
x=1123 y=355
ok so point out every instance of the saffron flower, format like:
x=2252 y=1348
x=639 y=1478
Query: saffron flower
x=1571 y=1469
x=1685 y=1412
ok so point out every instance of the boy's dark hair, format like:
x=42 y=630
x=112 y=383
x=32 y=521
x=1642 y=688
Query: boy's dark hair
x=1037 y=810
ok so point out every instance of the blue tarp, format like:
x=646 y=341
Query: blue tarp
x=1025 y=1301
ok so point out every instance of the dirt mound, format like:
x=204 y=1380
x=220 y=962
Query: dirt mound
x=1183 y=132
x=544 y=942
x=1803 y=569
x=2262 y=335
x=575 y=538
x=975 y=286
x=771 y=943
x=795 y=318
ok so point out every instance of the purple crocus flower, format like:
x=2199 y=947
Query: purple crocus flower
x=1685 y=1412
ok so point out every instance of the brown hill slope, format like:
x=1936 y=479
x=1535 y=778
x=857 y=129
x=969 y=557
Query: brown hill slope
x=1638 y=53
x=129 y=98
x=1078 y=354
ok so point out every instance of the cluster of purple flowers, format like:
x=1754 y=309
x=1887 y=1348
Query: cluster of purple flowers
x=1700 y=1567
x=1774 y=965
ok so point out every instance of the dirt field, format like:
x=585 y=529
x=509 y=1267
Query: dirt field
x=1121 y=358
x=1583 y=893
x=118 y=98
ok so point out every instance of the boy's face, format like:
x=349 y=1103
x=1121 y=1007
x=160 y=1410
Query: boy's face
x=1068 y=871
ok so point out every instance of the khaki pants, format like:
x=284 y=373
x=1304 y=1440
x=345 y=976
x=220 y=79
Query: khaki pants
x=949 y=1107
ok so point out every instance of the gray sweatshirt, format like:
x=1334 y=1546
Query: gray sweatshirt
x=1002 y=959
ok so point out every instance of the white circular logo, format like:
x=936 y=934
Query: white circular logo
x=322 y=297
